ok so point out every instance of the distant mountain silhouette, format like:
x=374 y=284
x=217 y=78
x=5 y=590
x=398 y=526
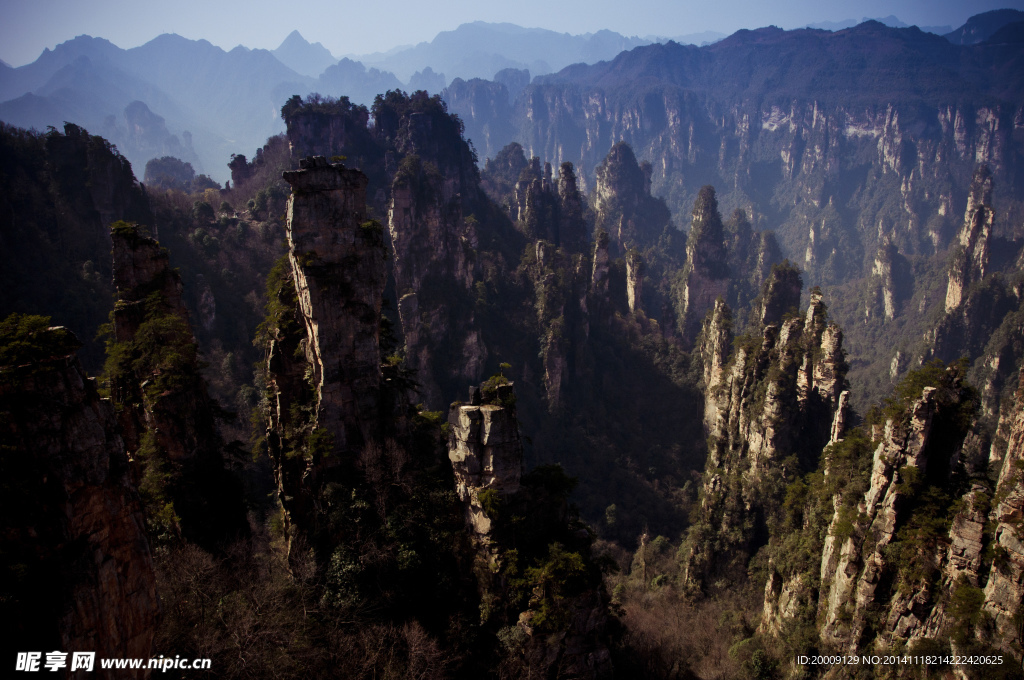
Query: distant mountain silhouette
x=301 y=56
x=481 y=49
x=223 y=101
x=862 y=65
x=890 y=21
x=981 y=27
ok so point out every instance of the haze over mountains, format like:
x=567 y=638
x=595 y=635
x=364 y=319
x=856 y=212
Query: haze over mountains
x=200 y=103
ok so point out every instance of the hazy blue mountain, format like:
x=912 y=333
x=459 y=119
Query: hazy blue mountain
x=427 y=80
x=481 y=49
x=226 y=101
x=106 y=100
x=702 y=38
x=18 y=81
x=301 y=56
x=355 y=81
x=981 y=27
x=890 y=21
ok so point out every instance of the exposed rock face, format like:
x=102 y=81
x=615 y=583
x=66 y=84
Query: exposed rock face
x=886 y=285
x=706 y=274
x=729 y=129
x=1003 y=591
x=599 y=275
x=971 y=258
x=859 y=567
x=775 y=399
x=715 y=346
x=486 y=453
x=313 y=132
x=545 y=207
x=634 y=281
x=164 y=408
x=984 y=320
x=900 y=564
x=338 y=263
x=73 y=542
x=536 y=203
x=750 y=257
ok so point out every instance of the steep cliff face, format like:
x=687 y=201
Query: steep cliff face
x=903 y=542
x=323 y=356
x=635 y=268
x=489 y=123
x=768 y=412
x=164 y=409
x=838 y=167
x=337 y=260
x=1004 y=594
x=983 y=318
x=970 y=257
x=326 y=130
x=486 y=454
x=543 y=206
x=434 y=246
x=78 y=570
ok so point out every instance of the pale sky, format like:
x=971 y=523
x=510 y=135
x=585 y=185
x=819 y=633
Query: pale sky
x=358 y=26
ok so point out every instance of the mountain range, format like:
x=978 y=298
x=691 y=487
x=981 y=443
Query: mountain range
x=201 y=103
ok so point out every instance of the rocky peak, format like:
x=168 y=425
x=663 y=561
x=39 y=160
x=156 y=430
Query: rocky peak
x=326 y=128
x=142 y=269
x=623 y=204
x=780 y=295
x=706 y=273
x=1004 y=591
x=884 y=278
x=715 y=344
x=572 y=227
x=434 y=246
x=536 y=203
x=337 y=260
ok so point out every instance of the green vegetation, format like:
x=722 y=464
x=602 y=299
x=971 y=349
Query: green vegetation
x=27 y=340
